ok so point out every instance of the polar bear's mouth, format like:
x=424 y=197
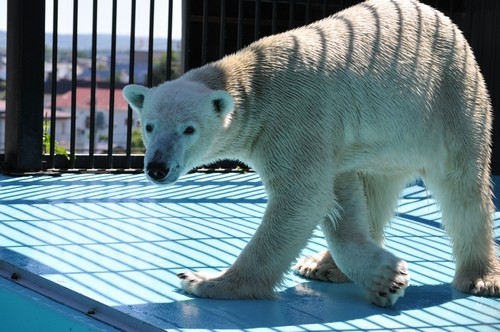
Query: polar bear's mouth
x=157 y=173
x=160 y=173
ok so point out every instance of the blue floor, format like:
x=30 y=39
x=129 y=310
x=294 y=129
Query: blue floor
x=119 y=241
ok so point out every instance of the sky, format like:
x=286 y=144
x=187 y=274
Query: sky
x=65 y=20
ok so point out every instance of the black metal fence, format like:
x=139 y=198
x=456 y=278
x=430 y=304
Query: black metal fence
x=211 y=29
x=31 y=142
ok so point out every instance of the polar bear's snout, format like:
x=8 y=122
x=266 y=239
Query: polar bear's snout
x=161 y=172
x=162 y=166
x=157 y=171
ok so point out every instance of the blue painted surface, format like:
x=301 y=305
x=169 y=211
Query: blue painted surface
x=23 y=310
x=121 y=241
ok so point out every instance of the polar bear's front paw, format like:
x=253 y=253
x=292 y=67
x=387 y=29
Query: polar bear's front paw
x=223 y=286
x=199 y=284
x=389 y=284
x=320 y=266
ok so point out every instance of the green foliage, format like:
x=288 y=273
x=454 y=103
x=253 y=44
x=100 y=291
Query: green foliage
x=136 y=141
x=3 y=85
x=58 y=149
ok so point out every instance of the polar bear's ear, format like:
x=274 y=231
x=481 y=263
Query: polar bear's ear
x=135 y=95
x=222 y=102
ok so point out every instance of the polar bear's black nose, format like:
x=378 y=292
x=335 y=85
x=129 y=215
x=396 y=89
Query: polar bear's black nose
x=157 y=171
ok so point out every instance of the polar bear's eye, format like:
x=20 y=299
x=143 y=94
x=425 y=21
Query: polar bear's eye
x=189 y=130
x=149 y=128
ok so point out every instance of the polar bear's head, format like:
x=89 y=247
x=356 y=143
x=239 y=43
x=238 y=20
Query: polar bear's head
x=180 y=122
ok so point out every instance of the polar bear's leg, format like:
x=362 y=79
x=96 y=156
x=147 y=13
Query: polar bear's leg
x=379 y=272
x=382 y=193
x=289 y=220
x=466 y=206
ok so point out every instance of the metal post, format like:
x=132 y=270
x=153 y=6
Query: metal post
x=25 y=85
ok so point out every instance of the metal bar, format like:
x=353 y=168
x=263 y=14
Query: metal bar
x=495 y=88
x=274 y=20
x=74 y=65
x=93 y=83
x=54 y=86
x=480 y=27
x=204 y=33
x=121 y=164
x=469 y=21
x=25 y=85
x=131 y=72
x=239 y=38
x=112 y=71
x=222 y=31
x=291 y=14
x=308 y=12
x=79 y=302
x=151 y=41
x=124 y=163
x=186 y=32
x=494 y=58
x=256 y=33
x=169 y=40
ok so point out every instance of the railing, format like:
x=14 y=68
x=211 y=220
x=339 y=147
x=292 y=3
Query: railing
x=106 y=137
x=33 y=128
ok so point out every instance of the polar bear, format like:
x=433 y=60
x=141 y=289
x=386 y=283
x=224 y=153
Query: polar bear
x=336 y=117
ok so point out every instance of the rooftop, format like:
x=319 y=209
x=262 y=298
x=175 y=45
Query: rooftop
x=102 y=98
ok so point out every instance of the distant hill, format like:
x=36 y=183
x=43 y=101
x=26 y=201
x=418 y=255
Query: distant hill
x=65 y=42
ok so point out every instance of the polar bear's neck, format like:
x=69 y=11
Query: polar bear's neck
x=234 y=74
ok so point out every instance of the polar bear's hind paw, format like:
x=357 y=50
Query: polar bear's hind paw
x=488 y=285
x=320 y=266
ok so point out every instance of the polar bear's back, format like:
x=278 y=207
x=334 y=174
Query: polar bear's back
x=391 y=70
x=402 y=44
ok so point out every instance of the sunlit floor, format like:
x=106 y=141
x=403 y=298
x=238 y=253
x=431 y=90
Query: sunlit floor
x=120 y=241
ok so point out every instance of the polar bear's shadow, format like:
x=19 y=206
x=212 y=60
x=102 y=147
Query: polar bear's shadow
x=310 y=302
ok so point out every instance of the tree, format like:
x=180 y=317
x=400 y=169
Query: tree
x=160 y=69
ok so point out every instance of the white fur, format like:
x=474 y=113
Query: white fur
x=336 y=117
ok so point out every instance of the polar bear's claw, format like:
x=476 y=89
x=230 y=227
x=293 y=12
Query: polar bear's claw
x=202 y=285
x=482 y=285
x=184 y=276
x=222 y=286
x=389 y=284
